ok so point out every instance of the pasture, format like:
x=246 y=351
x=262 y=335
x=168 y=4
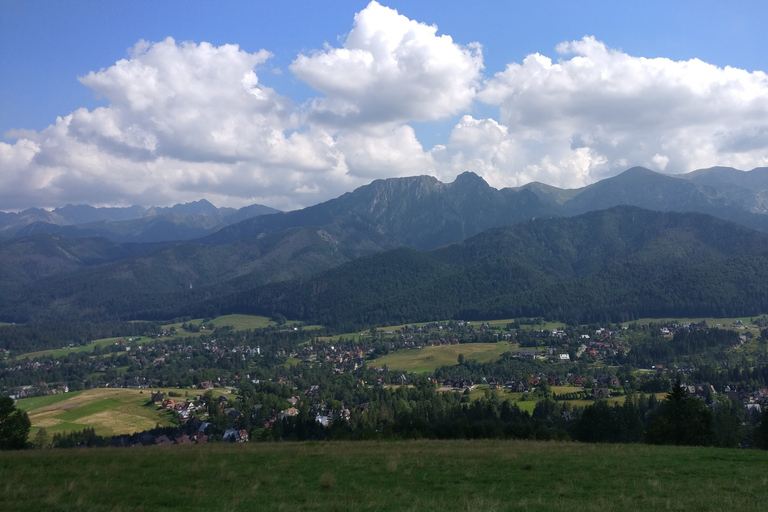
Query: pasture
x=747 y=322
x=480 y=475
x=238 y=323
x=107 y=411
x=427 y=359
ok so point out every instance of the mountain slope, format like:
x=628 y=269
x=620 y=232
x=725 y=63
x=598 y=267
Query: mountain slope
x=174 y=275
x=418 y=212
x=619 y=263
x=25 y=260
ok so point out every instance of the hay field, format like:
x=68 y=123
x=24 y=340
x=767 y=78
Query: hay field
x=107 y=411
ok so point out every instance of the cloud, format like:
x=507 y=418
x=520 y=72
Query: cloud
x=188 y=120
x=592 y=115
x=391 y=69
x=394 y=153
x=184 y=121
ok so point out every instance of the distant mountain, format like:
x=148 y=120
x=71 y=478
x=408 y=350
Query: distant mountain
x=750 y=189
x=132 y=224
x=419 y=212
x=726 y=193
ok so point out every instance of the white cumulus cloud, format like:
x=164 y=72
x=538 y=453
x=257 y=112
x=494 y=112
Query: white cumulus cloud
x=187 y=120
x=184 y=121
x=391 y=69
x=598 y=110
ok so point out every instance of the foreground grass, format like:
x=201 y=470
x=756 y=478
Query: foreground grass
x=409 y=475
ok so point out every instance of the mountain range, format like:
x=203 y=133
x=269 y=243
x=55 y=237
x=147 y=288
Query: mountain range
x=451 y=249
x=130 y=224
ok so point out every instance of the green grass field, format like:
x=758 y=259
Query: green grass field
x=62 y=352
x=386 y=476
x=428 y=358
x=712 y=322
x=238 y=322
x=107 y=411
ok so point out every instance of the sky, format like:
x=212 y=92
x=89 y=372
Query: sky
x=292 y=103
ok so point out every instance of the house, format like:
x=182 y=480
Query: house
x=289 y=413
x=157 y=398
x=163 y=441
x=230 y=436
x=199 y=438
x=229 y=411
x=602 y=393
x=182 y=440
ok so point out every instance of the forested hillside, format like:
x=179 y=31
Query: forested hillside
x=618 y=264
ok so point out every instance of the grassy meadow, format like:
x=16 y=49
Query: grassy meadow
x=107 y=411
x=367 y=475
x=427 y=359
x=238 y=322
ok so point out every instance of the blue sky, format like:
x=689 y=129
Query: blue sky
x=495 y=126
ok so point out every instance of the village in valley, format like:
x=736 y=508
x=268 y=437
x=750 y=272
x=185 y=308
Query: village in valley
x=237 y=386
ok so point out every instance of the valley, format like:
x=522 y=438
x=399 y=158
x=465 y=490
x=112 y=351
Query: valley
x=408 y=309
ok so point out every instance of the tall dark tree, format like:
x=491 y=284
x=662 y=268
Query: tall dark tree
x=14 y=425
x=681 y=420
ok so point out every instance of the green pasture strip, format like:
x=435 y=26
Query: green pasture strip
x=27 y=404
x=62 y=352
x=242 y=322
x=427 y=359
x=104 y=404
x=386 y=476
x=711 y=322
x=565 y=389
x=354 y=336
x=238 y=322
